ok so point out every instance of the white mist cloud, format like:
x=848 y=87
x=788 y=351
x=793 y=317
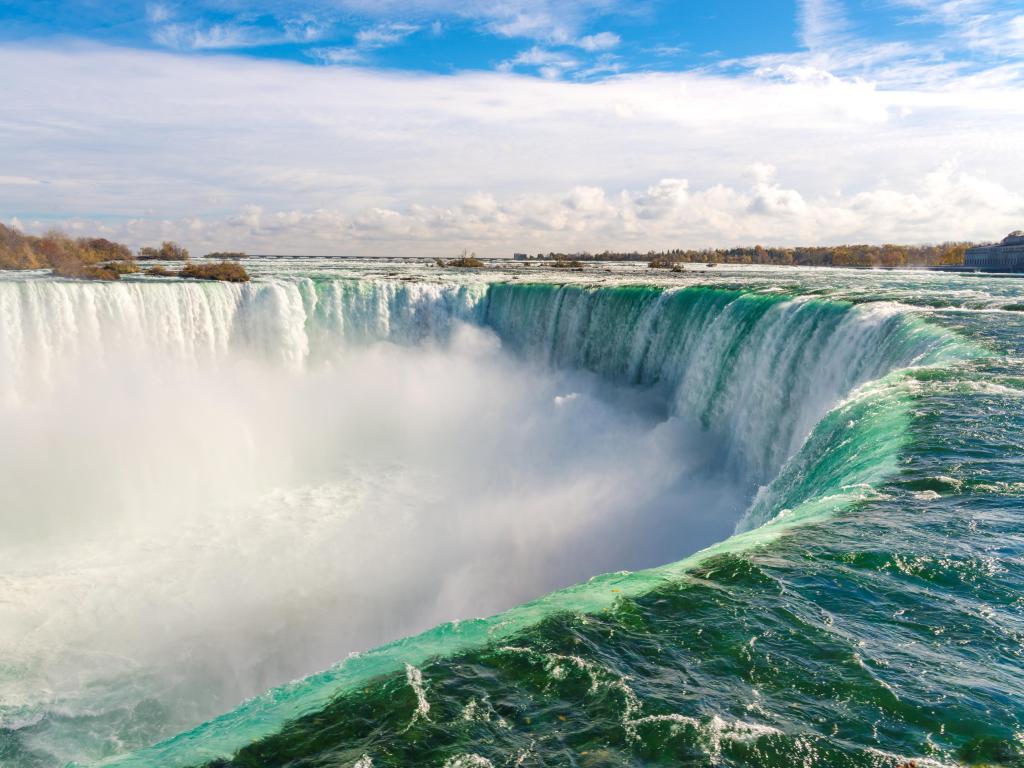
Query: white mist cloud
x=224 y=152
x=224 y=525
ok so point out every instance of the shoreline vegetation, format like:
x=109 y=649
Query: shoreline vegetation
x=858 y=255
x=96 y=258
x=888 y=256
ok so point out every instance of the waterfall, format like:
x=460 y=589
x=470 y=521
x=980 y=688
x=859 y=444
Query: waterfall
x=383 y=422
x=757 y=370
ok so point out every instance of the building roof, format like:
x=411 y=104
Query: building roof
x=1014 y=238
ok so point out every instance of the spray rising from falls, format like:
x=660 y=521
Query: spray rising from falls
x=369 y=460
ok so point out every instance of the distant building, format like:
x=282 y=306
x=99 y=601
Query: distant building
x=520 y=256
x=1005 y=256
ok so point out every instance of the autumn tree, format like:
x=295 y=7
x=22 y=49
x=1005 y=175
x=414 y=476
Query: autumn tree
x=171 y=251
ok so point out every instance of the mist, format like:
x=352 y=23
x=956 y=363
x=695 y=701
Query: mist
x=182 y=535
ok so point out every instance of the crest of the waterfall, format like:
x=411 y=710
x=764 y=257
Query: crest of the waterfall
x=344 y=312
x=49 y=326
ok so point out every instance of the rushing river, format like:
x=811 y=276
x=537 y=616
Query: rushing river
x=734 y=516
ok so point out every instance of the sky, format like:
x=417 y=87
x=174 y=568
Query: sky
x=381 y=127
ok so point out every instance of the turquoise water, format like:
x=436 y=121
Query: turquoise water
x=867 y=609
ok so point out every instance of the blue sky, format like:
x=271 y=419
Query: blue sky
x=581 y=39
x=429 y=36
x=425 y=126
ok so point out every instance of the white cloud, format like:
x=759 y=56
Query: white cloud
x=602 y=41
x=545 y=21
x=986 y=26
x=550 y=64
x=538 y=26
x=977 y=39
x=366 y=40
x=607 y=64
x=384 y=35
x=943 y=205
x=225 y=152
x=822 y=23
x=19 y=181
x=305 y=28
x=157 y=13
x=338 y=55
x=553 y=22
x=184 y=37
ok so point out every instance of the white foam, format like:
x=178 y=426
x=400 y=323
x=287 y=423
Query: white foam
x=415 y=679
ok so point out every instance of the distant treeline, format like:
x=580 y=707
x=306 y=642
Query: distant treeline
x=96 y=258
x=811 y=256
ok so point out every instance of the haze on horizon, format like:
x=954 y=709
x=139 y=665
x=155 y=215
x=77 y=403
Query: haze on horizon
x=424 y=127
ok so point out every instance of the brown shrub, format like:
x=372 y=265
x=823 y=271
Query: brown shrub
x=122 y=267
x=466 y=262
x=168 y=251
x=80 y=271
x=229 y=271
x=158 y=271
x=15 y=250
x=109 y=250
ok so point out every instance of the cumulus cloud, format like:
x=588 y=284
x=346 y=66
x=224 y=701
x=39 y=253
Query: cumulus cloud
x=942 y=205
x=278 y=157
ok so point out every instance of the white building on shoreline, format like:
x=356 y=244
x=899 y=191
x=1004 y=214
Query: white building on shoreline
x=1005 y=256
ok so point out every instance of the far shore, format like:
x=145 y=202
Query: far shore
x=101 y=259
